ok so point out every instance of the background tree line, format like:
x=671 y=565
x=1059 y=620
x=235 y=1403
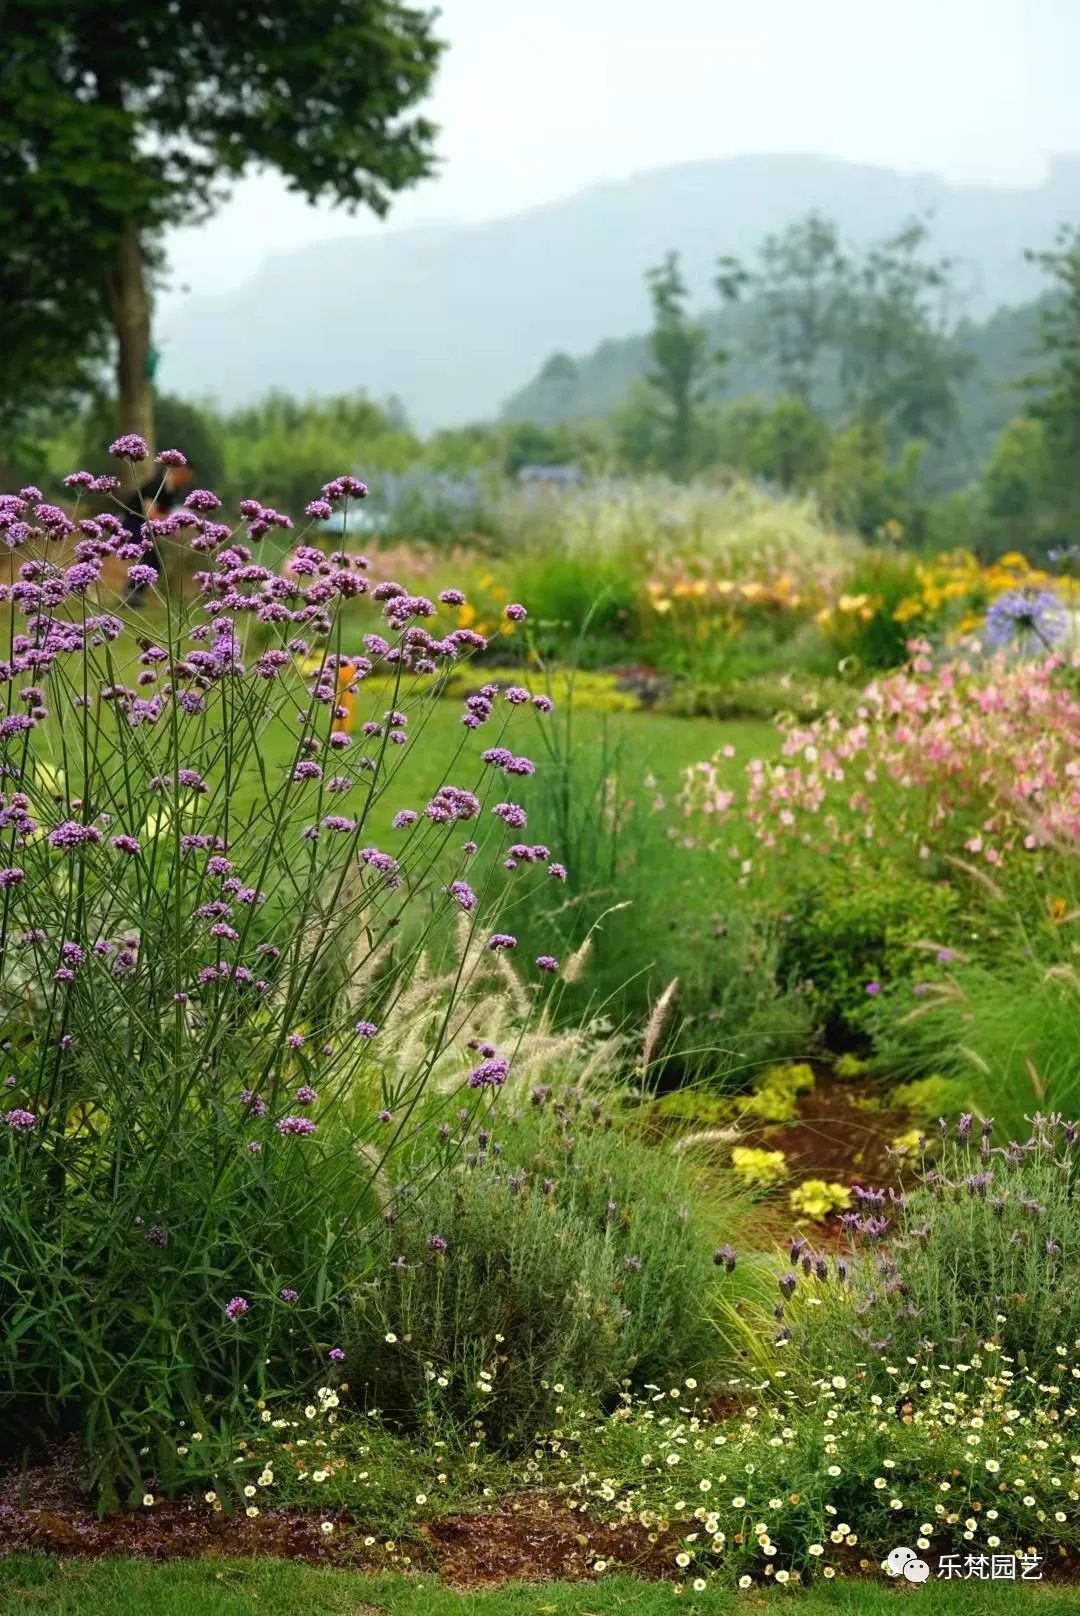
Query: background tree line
x=867 y=356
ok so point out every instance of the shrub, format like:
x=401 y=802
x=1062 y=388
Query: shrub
x=587 y=602
x=201 y=942
x=560 y=1253
x=766 y=696
x=848 y=930
x=977 y=1262
x=763 y=1168
x=815 y=1198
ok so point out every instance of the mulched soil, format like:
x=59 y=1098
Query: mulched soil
x=537 y=1540
x=41 y=1510
x=837 y=1135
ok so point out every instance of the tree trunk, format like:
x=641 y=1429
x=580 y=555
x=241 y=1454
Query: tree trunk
x=130 y=301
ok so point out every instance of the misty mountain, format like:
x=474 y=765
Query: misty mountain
x=451 y=318
x=1004 y=351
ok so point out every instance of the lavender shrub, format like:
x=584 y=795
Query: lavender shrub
x=200 y=941
x=978 y=1258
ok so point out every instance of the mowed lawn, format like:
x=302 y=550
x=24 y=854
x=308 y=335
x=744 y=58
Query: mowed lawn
x=40 y=1586
x=640 y=745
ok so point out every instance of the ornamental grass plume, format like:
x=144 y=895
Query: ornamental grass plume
x=206 y=930
x=656 y=1023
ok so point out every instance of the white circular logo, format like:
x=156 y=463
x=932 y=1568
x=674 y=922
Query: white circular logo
x=899 y=1560
x=916 y=1571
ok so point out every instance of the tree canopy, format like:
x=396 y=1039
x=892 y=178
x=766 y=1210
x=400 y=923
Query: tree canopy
x=116 y=121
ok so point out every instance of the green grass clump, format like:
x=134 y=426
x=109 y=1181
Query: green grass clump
x=1002 y=1032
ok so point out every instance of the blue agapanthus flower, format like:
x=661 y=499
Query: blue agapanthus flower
x=1028 y=618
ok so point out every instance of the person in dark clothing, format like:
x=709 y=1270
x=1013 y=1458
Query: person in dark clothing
x=155 y=499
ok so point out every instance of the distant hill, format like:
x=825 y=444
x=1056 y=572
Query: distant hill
x=450 y=318
x=1004 y=349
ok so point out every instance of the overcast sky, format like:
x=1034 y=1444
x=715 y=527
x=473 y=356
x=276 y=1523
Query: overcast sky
x=539 y=98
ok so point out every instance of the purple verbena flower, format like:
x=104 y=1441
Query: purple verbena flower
x=71 y=834
x=129 y=446
x=18 y=1120
x=491 y=1073
x=296 y=1125
x=202 y=499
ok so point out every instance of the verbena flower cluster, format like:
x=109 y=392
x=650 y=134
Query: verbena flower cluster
x=209 y=905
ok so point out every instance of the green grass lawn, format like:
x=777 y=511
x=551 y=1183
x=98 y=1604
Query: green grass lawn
x=38 y=1586
x=639 y=744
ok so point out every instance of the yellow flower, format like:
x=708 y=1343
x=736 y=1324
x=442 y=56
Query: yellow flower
x=764 y=1167
x=816 y=1198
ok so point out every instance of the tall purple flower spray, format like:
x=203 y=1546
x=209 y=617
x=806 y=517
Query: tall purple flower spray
x=213 y=893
